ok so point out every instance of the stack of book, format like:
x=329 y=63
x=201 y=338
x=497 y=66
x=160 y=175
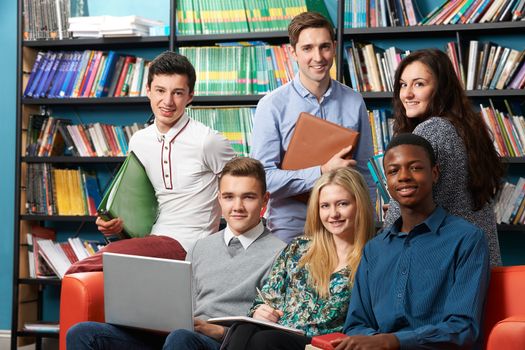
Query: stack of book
x=48 y=258
x=510 y=203
x=48 y=19
x=372 y=68
x=52 y=191
x=89 y=73
x=262 y=68
x=489 y=66
x=375 y=166
x=508 y=130
x=382 y=129
x=234 y=123
x=51 y=136
x=240 y=16
x=111 y=26
x=461 y=12
x=380 y=13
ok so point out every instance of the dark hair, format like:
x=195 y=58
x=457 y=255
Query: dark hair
x=413 y=140
x=449 y=101
x=170 y=63
x=245 y=166
x=308 y=20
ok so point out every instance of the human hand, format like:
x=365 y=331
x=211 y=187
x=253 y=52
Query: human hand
x=109 y=228
x=211 y=330
x=267 y=313
x=338 y=161
x=384 y=341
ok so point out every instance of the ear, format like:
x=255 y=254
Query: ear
x=266 y=198
x=148 y=91
x=294 y=54
x=435 y=174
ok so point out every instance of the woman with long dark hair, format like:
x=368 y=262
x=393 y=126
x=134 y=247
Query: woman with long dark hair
x=430 y=101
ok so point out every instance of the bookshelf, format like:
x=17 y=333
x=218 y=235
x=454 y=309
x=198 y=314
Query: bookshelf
x=24 y=287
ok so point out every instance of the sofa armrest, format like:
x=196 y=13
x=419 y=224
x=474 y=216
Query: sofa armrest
x=81 y=299
x=508 y=334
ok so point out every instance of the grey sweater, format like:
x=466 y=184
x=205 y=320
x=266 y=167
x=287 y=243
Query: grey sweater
x=225 y=286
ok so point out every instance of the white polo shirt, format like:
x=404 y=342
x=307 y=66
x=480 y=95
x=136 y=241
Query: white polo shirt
x=183 y=166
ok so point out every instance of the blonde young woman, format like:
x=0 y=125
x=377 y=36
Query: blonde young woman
x=309 y=285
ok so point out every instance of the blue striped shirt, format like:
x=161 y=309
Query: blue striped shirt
x=427 y=286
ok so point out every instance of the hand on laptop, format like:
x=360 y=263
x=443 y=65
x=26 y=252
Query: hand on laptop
x=109 y=228
x=211 y=330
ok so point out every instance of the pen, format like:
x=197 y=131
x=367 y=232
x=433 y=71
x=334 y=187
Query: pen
x=261 y=295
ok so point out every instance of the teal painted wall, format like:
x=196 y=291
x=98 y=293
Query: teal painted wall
x=7 y=154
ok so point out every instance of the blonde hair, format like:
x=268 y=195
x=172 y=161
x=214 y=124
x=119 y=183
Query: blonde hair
x=321 y=258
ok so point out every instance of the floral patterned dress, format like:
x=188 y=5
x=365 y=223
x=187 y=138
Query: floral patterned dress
x=287 y=289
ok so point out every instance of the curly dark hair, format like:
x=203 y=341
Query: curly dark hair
x=450 y=101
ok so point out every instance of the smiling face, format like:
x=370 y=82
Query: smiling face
x=241 y=199
x=417 y=84
x=314 y=53
x=410 y=176
x=168 y=95
x=337 y=210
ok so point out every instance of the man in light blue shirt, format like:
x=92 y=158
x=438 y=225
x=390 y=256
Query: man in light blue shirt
x=313 y=91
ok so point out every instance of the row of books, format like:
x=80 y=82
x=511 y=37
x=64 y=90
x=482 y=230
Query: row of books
x=510 y=203
x=234 y=123
x=47 y=19
x=381 y=126
x=372 y=68
x=48 y=258
x=51 y=136
x=380 y=13
x=508 y=130
x=489 y=66
x=89 y=73
x=53 y=191
x=482 y=11
x=111 y=26
x=240 y=70
x=240 y=16
x=377 y=171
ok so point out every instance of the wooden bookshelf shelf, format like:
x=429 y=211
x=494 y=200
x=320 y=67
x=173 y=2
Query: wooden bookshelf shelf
x=513 y=160
x=37 y=334
x=511 y=228
x=71 y=159
x=270 y=37
x=41 y=281
x=83 y=43
x=126 y=101
x=58 y=218
x=425 y=31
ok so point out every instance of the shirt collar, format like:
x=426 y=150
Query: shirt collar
x=304 y=92
x=247 y=238
x=174 y=129
x=431 y=225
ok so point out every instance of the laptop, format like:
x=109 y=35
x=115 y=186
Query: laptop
x=147 y=293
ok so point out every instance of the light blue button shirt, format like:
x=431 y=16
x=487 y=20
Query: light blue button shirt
x=274 y=123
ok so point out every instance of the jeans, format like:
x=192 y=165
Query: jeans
x=99 y=336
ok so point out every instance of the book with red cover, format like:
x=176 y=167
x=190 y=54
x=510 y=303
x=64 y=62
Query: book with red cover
x=324 y=341
x=314 y=142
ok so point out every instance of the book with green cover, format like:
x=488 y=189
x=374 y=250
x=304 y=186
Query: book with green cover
x=131 y=197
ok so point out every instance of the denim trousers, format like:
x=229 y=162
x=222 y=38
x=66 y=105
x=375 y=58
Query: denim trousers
x=98 y=336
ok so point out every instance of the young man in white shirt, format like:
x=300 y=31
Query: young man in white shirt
x=183 y=159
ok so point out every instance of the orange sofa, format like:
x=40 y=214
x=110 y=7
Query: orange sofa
x=82 y=299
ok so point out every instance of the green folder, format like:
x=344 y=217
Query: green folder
x=131 y=197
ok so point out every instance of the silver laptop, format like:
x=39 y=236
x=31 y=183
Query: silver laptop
x=147 y=293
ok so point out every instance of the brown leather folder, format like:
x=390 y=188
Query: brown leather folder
x=314 y=142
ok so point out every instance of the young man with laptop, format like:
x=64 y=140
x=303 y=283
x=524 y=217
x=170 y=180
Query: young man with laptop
x=227 y=268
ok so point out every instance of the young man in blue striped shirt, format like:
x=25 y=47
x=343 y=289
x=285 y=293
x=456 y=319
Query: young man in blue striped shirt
x=422 y=282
